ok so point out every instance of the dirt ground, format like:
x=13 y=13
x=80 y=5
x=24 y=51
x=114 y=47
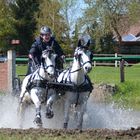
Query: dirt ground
x=91 y=134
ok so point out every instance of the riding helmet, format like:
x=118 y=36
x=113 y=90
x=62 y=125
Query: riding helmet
x=45 y=30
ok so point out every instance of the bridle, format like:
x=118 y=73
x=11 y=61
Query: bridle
x=81 y=65
x=45 y=68
x=43 y=63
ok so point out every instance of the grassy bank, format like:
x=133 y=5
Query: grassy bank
x=128 y=92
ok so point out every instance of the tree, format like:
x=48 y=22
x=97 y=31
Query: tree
x=67 y=10
x=134 y=10
x=111 y=16
x=6 y=25
x=23 y=12
x=49 y=14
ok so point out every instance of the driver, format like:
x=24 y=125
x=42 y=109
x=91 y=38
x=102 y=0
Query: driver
x=41 y=43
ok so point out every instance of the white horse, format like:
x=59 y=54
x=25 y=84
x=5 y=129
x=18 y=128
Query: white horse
x=79 y=93
x=34 y=85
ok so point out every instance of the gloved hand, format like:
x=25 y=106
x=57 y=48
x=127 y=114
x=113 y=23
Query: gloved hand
x=63 y=58
x=30 y=56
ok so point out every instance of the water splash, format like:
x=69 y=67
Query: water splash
x=98 y=115
x=9 y=114
x=101 y=115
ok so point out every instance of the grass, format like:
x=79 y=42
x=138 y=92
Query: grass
x=104 y=74
x=21 y=69
x=128 y=91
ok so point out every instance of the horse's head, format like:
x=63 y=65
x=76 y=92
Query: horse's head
x=49 y=56
x=83 y=58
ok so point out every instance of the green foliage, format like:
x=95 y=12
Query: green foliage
x=125 y=88
x=128 y=94
x=105 y=17
x=134 y=10
x=107 y=44
x=25 y=25
x=6 y=25
x=49 y=14
x=67 y=49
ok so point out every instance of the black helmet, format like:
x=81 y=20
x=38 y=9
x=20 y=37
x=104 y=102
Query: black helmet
x=45 y=30
x=84 y=41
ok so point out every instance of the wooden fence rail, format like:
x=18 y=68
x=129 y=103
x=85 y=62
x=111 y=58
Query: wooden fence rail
x=99 y=58
x=117 y=58
x=10 y=68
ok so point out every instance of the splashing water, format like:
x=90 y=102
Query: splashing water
x=98 y=115
x=101 y=115
x=9 y=115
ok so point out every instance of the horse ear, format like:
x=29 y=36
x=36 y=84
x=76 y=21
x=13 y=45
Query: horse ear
x=79 y=43
x=55 y=55
x=42 y=60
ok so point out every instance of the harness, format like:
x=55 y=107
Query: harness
x=68 y=85
x=37 y=83
x=86 y=86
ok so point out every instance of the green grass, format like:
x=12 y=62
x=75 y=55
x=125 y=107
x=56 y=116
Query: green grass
x=112 y=75
x=104 y=74
x=128 y=91
x=21 y=69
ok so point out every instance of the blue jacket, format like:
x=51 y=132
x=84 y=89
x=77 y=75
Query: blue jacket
x=38 y=46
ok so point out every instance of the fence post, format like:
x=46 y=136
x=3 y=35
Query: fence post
x=122 y=79
x=116 y=62
x=11 y=55
x=94 y=63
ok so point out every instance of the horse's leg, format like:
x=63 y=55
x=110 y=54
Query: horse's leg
x=82 y=108
x=69 y=98
x=21 y=106
x=21 y=109
x=21 y=114
x=37 y=104
x=52 y=97
x=66 y=113
x=80 y=116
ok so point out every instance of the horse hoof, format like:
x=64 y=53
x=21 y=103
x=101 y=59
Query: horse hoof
x=49 y=114
x=38 y=121
x=65 y=125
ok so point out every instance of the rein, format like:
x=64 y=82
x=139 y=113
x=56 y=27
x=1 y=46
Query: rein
x=80 y=67
x=76 y=70
x=86 y=62
x=45 y=69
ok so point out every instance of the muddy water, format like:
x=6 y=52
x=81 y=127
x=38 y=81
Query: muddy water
x=98 y=115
